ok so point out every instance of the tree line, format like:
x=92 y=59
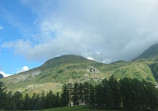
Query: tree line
x=125 y=94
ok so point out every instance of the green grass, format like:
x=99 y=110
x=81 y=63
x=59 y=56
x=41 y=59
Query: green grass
x=75 y=108
x=72 y=108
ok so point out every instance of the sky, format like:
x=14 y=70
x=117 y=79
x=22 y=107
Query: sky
x=33 y=31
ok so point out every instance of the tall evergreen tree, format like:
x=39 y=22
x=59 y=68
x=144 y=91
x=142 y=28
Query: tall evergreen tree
x=58 y=102
x=92 y=98
x=50 y=100
x=18 y=101
x=115 y=87
x=65 y=96
x=27 y=102
x=107 y=96
x=43 y=100
x=70 y=94
x=81 y=94
x=151 y=96
x=99 y=96
x=2 y=96
x=9 y=101
x=86 y=90
x=76 y=94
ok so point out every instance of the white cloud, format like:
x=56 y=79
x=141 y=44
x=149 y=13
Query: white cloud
x=1 y=27
x=23 y=69
x=4 y=75
x=106 y=30
x=90 y=58
x=107 y=61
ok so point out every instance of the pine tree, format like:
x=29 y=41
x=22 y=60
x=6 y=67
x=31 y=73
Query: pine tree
x=2 y=96
x=99 y=96
x=18 y=102
x=151 y=96
x=27 y=104
x=115 y=87
x=92 y=95
x=58 y=101
x=76 y=94
x=70 y=94
x=86 y=90
x=35 y=101
x=81 y=94
x=65 y=96
x=43 y=100
x=50 y=100
x=107 y=96
x=9 y=101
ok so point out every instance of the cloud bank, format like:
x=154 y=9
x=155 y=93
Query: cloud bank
x=105 y=30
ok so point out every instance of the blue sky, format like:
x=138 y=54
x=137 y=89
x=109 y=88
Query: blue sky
x=33 y=31
x=14 y=16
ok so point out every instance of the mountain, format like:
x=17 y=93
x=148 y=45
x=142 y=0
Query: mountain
x=151 y=52
x=1 y=76
x=71 y=68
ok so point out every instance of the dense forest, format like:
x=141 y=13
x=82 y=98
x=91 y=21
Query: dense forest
x=126 y=94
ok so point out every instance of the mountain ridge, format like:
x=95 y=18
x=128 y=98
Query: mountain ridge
x=149 y=53
x=71 y=68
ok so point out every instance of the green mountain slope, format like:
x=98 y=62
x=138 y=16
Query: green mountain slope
x=69 y=69
x=151 y=52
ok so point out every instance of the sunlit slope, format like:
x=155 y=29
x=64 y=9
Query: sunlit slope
x=69 y=69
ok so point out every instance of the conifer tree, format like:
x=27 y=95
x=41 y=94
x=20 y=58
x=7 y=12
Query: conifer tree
x=115 y=87
x=99 y=96
x=81 y=94
x=27 y=102
x=18 y=104
x=2 y=96
x=86 y=91
x=92 y=97
x=65 y=96
x=76 y=94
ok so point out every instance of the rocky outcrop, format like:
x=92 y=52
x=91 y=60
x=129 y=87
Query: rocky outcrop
x=91 y=69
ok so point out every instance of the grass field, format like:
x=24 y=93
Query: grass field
x=75 y=108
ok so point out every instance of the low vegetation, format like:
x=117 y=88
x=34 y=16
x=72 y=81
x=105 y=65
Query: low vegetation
x=76 y=108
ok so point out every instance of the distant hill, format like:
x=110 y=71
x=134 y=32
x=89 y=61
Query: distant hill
x=71 y=68
x=151 y=52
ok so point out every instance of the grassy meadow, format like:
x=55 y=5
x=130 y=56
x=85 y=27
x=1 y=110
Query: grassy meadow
x=75 y=108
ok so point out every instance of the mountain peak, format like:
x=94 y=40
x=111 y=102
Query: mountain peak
x=65 y=59
x=151 y=52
